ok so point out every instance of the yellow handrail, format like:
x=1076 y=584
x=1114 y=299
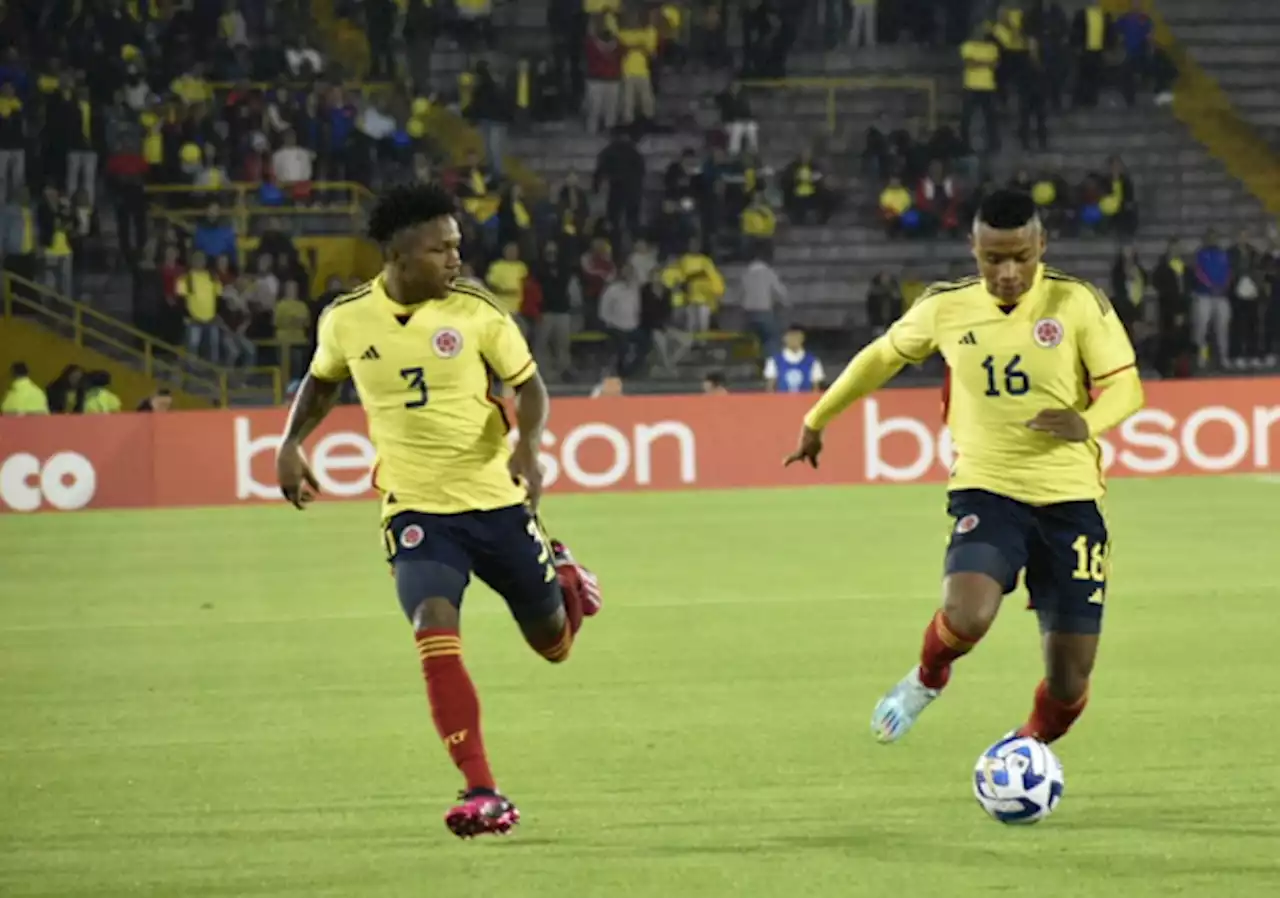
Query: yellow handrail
x=364 y=87
x=831 y=85
x=243 y=188
x=156 y=358
x=1208 y=112
x=236 y=198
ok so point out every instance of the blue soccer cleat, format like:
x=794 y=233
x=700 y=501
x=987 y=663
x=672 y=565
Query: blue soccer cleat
x=896 y=713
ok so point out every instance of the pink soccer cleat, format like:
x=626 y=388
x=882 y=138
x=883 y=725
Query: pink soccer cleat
x=581 y=588
x=482 y=812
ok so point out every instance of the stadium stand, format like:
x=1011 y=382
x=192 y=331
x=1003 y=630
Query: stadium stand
x=1235 y=41
x=216 y=188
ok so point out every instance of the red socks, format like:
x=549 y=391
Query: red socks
x=942 y=645
x=455 y=708
x=1050 y=717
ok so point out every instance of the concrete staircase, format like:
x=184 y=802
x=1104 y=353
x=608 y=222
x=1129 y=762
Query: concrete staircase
x=1183 y=190
x=1237 y=42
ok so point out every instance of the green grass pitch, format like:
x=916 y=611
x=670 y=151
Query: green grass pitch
x=228 y=703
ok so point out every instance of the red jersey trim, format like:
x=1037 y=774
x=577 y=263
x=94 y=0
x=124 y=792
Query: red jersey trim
x=1114 y=373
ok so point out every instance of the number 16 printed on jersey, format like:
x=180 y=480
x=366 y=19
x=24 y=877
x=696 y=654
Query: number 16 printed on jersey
x=1015 y=381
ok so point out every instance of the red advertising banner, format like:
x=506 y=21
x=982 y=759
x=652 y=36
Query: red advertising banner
x=592 y=445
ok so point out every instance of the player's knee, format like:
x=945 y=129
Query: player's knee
x=436 y=614
x=971 y=601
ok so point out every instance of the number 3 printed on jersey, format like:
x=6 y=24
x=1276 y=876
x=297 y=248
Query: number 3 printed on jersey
x=1013 y=379
x=417 y=381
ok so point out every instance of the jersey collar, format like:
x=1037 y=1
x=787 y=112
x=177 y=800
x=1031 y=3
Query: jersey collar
x=380 y=291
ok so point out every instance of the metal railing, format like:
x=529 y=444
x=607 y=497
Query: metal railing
x=833 y=86
x=185 y=205
x=156 y=359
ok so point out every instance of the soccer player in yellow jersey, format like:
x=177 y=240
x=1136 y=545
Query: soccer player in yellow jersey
x=425 y=349
x=1025 y=347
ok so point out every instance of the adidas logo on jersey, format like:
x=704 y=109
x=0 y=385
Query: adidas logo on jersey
x=969 y=339
x=371 y=354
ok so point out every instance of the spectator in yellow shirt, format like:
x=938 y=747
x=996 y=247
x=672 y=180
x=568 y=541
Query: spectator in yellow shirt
x=200 y=290
x=981 y=56
x=805 y=190
x=506 y=278
x=292 y=320
x=100 y=400
x=639 y=47
x=759 y=224
x=895 y=202
x=703 y=287
x=23 y=397
x=191 y=86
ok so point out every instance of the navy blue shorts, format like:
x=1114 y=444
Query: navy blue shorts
x=1063 y=549
x=434 y=555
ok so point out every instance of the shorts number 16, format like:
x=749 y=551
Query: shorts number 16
x=1091 y=560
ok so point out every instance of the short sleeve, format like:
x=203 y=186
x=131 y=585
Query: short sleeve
x=817 y=373
x=770 y=369
x=329 y=363
x=913 y=335
x=507 y=353
x=1105 y=348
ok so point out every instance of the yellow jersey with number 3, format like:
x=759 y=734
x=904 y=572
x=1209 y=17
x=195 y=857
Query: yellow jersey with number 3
x=425 y=374
x=1005 y=367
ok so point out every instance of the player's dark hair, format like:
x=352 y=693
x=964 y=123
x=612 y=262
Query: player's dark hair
x=1007 y=210
x=19 y=369
x=796 y=328
x=407 y=206
x=715 y=378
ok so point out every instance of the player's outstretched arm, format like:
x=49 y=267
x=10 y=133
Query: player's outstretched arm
x=315 y=399
x=870 y=369
x=533 y=404
x=1121 y=396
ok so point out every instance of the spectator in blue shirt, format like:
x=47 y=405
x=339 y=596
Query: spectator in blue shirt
x=215 y=236
x=1210 y=282
x=14 y=71
x=1142 y=58
x=1135 y=29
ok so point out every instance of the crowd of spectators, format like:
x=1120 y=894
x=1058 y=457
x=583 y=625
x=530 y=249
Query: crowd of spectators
x=1024 y=58
x=73 y=392
x=129 y=94
x=173 y=100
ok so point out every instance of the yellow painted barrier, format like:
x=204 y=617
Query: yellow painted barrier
x=1204 y=107
x=29 y=303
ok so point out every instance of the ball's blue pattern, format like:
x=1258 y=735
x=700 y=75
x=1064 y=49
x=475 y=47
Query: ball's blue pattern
x=1018 y=780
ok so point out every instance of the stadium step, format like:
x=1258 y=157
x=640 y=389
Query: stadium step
x=49 y=331
x=1225 y=128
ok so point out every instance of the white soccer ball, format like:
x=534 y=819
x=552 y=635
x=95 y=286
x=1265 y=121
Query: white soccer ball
x=1018 y=780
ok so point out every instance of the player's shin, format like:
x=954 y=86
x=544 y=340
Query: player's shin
x=943 y=643
x=551 y=638
x=1052 y=716
x=455 y=706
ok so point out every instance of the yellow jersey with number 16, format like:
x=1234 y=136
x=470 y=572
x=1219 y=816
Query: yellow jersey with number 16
x=425 y=374
x=1005 y=366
